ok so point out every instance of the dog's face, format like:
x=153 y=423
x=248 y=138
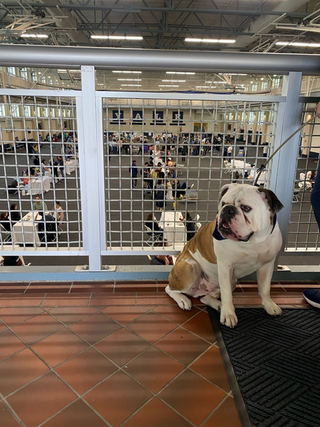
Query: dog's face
x=245 y=212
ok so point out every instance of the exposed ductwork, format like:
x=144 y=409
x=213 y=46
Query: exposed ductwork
x=78 y=37
x=263 y=21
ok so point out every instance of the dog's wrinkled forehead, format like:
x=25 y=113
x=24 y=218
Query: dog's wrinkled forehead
x=234 y=193
x=240 y=193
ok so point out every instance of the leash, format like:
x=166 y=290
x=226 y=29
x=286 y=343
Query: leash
x=262 y=167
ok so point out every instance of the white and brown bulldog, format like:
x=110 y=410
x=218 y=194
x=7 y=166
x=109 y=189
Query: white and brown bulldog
x=244 y=237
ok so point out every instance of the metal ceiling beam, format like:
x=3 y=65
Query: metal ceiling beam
x=288 y=7
x=54 y=10
x=145 y=59
x=153 y=28
x=132 y=9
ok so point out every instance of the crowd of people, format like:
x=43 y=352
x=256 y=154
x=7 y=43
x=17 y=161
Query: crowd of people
x=157 y=231
x=184 y=144
x=49 y=222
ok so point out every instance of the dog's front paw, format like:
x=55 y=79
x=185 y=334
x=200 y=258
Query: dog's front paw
x=184 y=302
x=228 y=318
x=272 y=308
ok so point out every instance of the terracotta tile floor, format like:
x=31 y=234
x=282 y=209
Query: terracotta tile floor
x=114 y=354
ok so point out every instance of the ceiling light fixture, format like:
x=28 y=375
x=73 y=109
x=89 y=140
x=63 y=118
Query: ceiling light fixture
x=116 y=37
x=179 y=72
x=220 y=81
x=128 y=72
x=35 y=36
x=129 y=80
x=298 y=44
x=232 y=74
x=194 y=40
x=130 y=84
x=175 y=81
x=168 y=85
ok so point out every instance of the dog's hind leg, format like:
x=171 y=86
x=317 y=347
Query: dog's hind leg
x=184 y=274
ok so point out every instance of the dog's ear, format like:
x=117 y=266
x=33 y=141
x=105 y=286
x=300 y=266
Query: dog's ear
x=223 y=191
x=271 y=199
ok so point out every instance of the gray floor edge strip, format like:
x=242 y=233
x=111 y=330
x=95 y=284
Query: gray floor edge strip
x=241 y=406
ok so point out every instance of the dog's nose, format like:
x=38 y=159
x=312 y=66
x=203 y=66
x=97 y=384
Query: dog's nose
x=229 y=211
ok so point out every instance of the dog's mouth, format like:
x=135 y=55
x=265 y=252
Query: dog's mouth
x=225 y=226
x=226 y=231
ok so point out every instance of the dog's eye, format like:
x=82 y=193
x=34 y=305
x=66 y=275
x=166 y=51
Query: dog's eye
x=222 y=204
x=246 y=208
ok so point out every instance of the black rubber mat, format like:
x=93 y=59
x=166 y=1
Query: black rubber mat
x=273 y=364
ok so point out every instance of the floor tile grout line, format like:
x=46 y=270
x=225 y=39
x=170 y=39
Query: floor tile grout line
x=25 y=291
x=177 y=412
x=71 y=403
x=163 y=401
x=23 y=321
x=214 y=410
x=12 y=411
x=136 y=411
x=89 y=300
x=43 y=299
x=70 y=289
x=21 y=339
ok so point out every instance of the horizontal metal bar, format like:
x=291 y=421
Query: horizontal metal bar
x=189 y=96
x=43 y=252
x=133 y=273
x=41 y=92
x=157 y=60
x=137 y=9
x=301 y=251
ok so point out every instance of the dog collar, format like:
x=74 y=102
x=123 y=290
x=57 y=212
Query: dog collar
x=216 y=233
x=218 y=236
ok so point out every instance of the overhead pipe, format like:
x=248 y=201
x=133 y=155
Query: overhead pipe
x=157 y=60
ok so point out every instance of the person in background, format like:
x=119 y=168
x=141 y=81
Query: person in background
x=58 y=214
x=4 y=220
x=151 y=222
x=190 y=226
x=44 y=167
x=36 y=161
x=39 y=205
x=14 y=213
x=134 y=173
x=147 y=182
x=160 y=192
x=9 y=261
x=312 y=296
x=46 y=227
x=61 y=165
x=161 y=260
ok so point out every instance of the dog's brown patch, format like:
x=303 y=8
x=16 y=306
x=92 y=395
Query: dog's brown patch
x=184 y=274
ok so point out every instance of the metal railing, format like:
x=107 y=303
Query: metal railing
x=202 y=140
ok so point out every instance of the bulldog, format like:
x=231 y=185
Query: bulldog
x=244 y=237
